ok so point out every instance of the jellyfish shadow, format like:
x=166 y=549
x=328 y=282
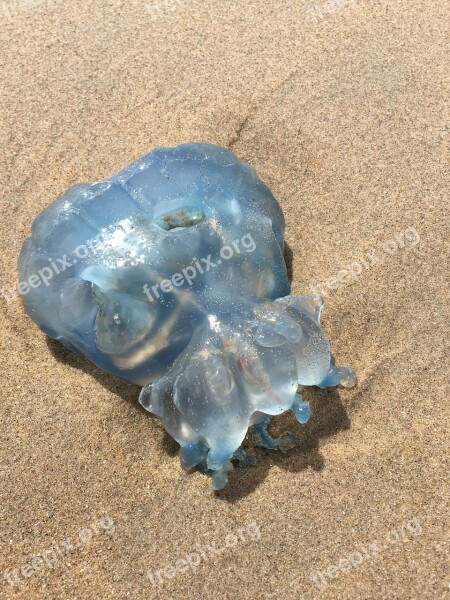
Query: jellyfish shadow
x=328 y=417
x=289 y=261
x=120 y=387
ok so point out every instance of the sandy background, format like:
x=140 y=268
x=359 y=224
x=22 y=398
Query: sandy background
x=346 y=118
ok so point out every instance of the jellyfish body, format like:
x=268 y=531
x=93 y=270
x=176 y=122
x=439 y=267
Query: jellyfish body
x=171 y=275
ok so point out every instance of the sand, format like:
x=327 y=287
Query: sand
x=343 y=109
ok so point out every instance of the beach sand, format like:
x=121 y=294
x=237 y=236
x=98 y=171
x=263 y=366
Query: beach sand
x=343 y=109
